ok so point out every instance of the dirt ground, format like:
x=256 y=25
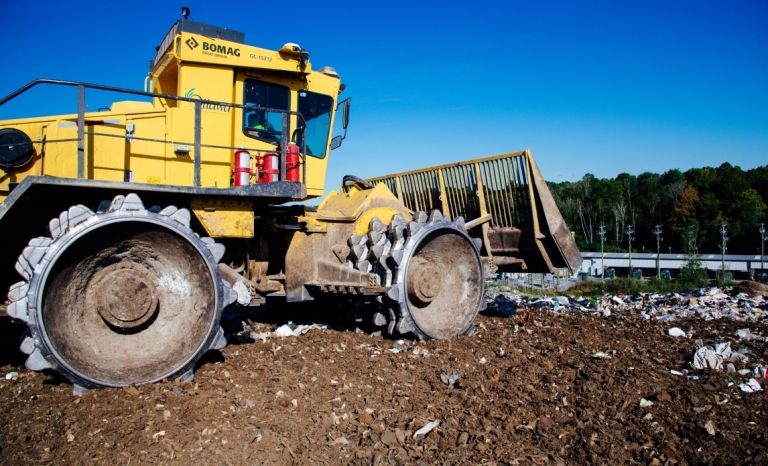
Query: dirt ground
x=527 y=392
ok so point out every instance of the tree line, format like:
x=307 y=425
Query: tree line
x=691 y=207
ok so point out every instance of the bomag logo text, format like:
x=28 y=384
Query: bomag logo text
x=221 y=51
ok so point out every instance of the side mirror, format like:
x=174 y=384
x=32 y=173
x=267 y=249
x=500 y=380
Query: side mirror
x=345 y=113
x=345 y=104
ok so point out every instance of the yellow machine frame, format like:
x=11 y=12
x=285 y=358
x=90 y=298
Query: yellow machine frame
x=154 y=142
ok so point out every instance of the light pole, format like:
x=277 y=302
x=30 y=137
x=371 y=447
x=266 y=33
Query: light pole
x=762 y=248
x=601 y=232
x=659 y=239
x=723 y=231
x=630 y=231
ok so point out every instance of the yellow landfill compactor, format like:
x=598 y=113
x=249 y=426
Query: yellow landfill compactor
x=127 y=231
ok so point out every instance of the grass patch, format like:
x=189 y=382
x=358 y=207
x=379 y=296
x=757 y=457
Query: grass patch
x=496 y=288
x=625 y=286
x=618 y=287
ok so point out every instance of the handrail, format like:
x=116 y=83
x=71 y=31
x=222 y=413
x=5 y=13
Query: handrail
x=198 y=102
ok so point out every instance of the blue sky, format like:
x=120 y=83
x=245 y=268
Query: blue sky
x=599 y=87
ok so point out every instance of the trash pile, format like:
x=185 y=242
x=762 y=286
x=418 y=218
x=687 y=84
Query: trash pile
x=721 y=356
x=706 y=303
x=250 y=333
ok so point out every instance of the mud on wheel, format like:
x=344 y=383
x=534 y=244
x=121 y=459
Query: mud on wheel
x=433 y=270
x=120 y=296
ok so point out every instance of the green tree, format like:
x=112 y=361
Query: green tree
x=758 y=180
x=730 y=183
x=650 y=194
x=630 y=191
x=673 y=183
x=585 y=205
x=692 y=274
x=566 y=201
x=606 y=193
x=701 y=178
x=751 y=209
x=685 y=209
x=673 y=176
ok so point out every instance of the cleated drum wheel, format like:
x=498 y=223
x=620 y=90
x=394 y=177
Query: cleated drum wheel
x=434 y=270
x=121 y=296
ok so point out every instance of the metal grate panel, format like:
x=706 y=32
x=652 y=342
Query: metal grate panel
x=494 y=185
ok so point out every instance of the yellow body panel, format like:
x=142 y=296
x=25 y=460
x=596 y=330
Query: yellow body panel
x=225 y=218
x=233 y=55
x=162 y=149
x=361 y=206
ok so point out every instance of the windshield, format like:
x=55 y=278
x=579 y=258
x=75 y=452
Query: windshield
x=316 y=110
x=260 y=124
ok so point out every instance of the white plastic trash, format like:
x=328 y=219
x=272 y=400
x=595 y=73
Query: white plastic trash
x=708 y=357
x=427 y=428
x=751 y=387
x=676 y=332
x=284 y=331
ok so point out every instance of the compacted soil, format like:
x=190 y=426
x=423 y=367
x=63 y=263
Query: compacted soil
x=523 y=389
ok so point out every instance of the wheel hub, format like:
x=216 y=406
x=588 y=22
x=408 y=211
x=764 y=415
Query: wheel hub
x=424 y=280
x=448 y=282
x=124 y=294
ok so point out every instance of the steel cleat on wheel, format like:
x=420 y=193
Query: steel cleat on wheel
x=434 y=272
x=439 y=279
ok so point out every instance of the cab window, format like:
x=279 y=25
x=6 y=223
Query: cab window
x=316 y=110
x=264 y=124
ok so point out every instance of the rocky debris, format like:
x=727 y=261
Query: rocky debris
x=735 y=356
x=597 y=381
x=753 y=289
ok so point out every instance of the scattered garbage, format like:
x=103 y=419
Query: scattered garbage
x=340 y=441
x=601 y=355
x=504 y=305
x=710 y=426
x=284 y=331
x=705 y=303
x=760 y=371
x=449 y=380
x=676 y=332
x=746 y=334
x=292 y=330
x=645 y=403
x=426 y=429
x=263 y=336
x=711 y=357
x=751 y=387
x=11 y=375
x=243 y=295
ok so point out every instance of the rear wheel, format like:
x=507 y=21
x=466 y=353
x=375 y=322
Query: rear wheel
x=121 y=296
